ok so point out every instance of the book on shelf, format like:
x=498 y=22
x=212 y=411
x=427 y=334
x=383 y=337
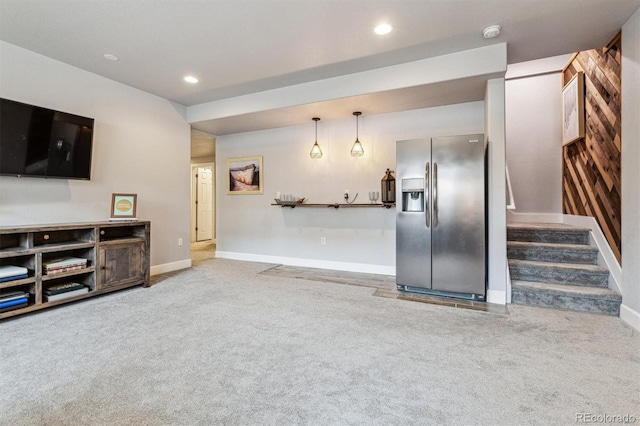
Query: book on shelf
x=13 y=278
x=12 y=271
x=14 y=307
x=62 y=288
x=67 y=295
x=64 y=269
x=5 y=297
x=63 y=262
x=15 y=302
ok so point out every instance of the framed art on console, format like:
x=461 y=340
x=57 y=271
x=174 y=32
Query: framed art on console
x=123 y=206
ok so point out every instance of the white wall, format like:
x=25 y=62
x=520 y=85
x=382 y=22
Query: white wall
x=534 y=145
x=630 y=310
x=141 y=145
x=357 y=239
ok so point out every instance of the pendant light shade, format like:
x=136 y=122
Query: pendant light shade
x=356 y=149
x=316 y=152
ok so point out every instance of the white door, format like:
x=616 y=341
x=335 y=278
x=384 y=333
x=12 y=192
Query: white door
x=204 y=203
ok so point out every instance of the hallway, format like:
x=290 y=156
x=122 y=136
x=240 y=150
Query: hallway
x=202 y=251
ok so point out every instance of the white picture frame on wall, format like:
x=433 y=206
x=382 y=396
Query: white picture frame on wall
x=573 y=109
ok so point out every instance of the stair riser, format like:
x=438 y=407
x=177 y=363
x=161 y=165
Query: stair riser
x=559 y=276
x=585 y=257
x=560 y=301
x=548 y=236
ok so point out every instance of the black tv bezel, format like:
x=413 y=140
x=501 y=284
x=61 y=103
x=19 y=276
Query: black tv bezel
x=75 y=116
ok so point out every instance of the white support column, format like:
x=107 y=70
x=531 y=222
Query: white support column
x=498 y=291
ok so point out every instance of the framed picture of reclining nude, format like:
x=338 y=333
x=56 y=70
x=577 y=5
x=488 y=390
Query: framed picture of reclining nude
x=245 y=175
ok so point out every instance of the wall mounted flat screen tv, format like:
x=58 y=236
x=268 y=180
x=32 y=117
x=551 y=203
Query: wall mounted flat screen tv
x=41 y=142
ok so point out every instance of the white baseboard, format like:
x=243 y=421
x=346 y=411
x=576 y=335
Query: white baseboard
x=493 y=296
x=170 y=267
x=497 y=296
x=609 y=259
x=630 y=316
x=309 y=263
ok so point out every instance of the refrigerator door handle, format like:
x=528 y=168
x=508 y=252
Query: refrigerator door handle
x=435 y=195
x=426 y=195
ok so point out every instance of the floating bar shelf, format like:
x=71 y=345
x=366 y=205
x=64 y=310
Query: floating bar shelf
x=336 y=205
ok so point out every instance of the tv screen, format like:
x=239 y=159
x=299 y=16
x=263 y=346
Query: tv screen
x=41 y=142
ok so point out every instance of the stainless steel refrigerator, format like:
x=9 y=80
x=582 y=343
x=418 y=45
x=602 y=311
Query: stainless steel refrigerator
x=441 y=216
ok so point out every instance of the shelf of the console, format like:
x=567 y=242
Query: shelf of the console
x=45 y=248
x=67 y=226
x=15 y=252
x=71 y=245
x=15 y=283
x=114 y=241
x=81 y=271
x=336 y=205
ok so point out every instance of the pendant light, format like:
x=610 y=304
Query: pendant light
x=356 y=149
x=316 y=152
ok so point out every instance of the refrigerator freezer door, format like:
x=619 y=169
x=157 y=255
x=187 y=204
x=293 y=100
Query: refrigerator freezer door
x=458 y=234
x=413 y=230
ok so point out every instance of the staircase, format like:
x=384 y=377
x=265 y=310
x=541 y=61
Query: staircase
x=553 y=266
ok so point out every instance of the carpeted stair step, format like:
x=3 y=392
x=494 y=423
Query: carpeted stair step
x=584 y=299
x=551 y=252
x=547 y=233
x=559 y=273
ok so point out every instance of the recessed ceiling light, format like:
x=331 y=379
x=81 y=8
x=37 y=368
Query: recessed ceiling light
x=491 y=32
x=191 y=79
x=383 y=29
x=110 y=57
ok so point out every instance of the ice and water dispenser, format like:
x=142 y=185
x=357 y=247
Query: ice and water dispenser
x=413 y=195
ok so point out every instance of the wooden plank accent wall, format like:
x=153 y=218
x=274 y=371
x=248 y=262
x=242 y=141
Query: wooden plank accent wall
x=591 y=166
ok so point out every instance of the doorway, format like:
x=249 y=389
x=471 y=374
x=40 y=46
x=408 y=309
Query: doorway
x=202 y=202
x=203 y=199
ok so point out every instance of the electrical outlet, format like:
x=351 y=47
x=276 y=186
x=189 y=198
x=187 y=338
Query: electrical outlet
x=323 y=241
x=180 y=241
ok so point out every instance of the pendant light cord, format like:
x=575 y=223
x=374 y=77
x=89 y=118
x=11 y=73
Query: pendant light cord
x=357 y=127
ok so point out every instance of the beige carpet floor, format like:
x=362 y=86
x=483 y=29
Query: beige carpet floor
x=223 y=344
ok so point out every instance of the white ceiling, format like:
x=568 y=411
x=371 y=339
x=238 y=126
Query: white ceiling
x=237 y=47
